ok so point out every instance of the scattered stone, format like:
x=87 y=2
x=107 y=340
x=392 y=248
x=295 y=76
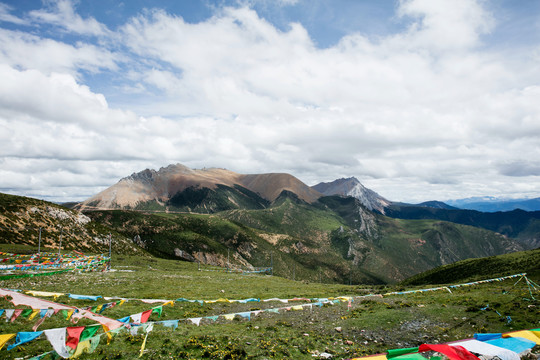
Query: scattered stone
x=349 y=342
x=325 y=355
x=338 y=329
x=305 y=334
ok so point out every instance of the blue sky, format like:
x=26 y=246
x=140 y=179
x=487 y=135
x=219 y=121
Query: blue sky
x=419 y=99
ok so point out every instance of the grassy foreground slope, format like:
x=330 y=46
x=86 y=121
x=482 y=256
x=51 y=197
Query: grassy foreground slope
x=371 y=325
x=475 y=269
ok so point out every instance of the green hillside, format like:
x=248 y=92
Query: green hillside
x=21 y=219
x=475 y=269
x=369 y=326
x=518 y=224
x=335 y=240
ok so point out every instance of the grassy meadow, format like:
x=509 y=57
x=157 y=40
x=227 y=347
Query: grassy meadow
x=371 y=325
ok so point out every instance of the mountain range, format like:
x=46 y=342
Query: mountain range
x=493 y=204
x=179 y=188
x=336 y=231
x=353 y=226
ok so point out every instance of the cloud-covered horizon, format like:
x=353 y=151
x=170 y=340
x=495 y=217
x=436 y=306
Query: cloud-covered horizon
x=435 y=110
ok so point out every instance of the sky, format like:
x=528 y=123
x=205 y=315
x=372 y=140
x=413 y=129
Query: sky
x=418 y=99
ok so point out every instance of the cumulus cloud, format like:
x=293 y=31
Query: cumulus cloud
x=424 y=114
x=443 y=25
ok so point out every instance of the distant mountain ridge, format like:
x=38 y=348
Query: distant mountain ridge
x=178 y=187
x=492 y=204
x=352 y=187
x=437 y=205
x=518 y=224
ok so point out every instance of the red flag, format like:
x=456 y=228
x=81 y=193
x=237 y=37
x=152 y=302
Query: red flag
x=145 y=315
x=74 y=334
x=16 y=314
x=454 y=352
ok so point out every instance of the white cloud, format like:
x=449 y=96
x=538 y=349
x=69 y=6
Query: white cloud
x=27 y=51
x=424 y=114
x=445 y=25
x=6 y=16
x=62 y=14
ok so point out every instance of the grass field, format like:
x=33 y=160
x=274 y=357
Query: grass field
x=371 y=325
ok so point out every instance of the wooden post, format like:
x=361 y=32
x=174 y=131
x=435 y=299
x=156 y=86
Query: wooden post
x=60 y=247
x=39 y=246
x=110 y=248
x=272 y=262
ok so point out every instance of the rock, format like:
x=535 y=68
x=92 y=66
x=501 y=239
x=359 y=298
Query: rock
x=338 y=329
x=183 y=255
x=325 y=355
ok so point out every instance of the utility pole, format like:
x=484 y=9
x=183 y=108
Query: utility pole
x=294 y=272
x=60 y=247
x=272 y=262
x=39 y=246
x=320 y=278
x=227 y=260
x=110 y=248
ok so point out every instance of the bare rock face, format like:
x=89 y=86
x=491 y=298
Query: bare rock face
x=183 y=255
x=367 y=223
x=352 y=187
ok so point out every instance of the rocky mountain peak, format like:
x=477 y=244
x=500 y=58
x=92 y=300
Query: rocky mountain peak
x=352 y=187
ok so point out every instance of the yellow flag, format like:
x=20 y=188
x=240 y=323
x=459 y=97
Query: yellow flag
x=529 y=335
x=33 y=314
x=4 y=339
x=143 y=344
x=109 y=335
x=378 y=357
x=81 y=347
